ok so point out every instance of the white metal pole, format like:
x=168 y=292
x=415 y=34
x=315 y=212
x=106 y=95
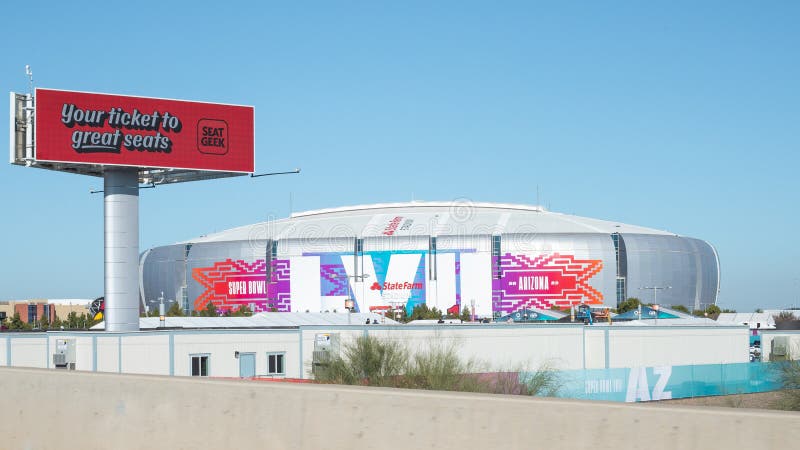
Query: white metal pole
x=161 y=311
x=121 y=236
x=350 y=309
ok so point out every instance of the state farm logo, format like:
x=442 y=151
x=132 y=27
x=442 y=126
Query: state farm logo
x=394 y=225
x=212 y=136
x=395 y=286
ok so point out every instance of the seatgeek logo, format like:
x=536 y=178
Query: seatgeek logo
x=395 y=286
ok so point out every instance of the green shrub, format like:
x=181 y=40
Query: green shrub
x=789 y=373
x=628 y=305
x=440 y=368
x=783 y=316
x=544 y=381
x=366 y=360
x=370 y=361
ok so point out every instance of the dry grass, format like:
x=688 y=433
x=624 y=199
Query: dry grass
x=761 y=400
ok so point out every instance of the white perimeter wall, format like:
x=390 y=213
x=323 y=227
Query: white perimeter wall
x=145 y=353
x=494 y=347
x=3 y=354
x=222 y=345
x=635 y=347
x=500 y=348
x=595 y=347
x=29 y=351
x=767 y=336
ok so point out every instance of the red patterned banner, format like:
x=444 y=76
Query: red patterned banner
x=544 y=281
x=230 y=283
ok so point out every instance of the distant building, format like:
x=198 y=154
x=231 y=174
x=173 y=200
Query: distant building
x=32 y=311
x=36 y=311
x=754 y=320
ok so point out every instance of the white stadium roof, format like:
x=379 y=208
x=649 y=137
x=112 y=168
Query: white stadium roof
x=753 y=320
x=695 y=321
x=423 y=219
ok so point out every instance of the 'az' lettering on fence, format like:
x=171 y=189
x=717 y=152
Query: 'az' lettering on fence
x=639 y=386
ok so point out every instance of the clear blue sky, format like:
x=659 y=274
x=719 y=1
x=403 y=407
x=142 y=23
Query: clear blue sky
x=682 y=116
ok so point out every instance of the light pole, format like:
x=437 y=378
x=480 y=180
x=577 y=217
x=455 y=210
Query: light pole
x=472 y=305
x=655 y=297
x=161 y=311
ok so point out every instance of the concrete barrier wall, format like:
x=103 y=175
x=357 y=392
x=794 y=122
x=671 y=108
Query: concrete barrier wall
x=49 y=409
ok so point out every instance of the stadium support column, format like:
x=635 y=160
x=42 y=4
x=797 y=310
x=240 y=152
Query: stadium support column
x=121 y=204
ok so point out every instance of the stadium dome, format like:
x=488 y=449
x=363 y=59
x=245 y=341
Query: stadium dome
x=493 y=257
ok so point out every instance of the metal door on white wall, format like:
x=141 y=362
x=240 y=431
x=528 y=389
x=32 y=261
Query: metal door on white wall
x=247 y=365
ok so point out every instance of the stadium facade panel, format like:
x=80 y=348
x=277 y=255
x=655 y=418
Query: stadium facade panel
x=493 y=258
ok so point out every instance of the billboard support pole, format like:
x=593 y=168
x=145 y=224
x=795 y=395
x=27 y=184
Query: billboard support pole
x=121 y=240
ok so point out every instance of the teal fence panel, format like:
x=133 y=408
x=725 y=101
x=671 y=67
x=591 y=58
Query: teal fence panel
x=666 y=382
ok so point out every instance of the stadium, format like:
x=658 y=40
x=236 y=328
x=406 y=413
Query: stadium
x=493 y=258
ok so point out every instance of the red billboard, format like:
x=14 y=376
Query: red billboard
x=87 y=128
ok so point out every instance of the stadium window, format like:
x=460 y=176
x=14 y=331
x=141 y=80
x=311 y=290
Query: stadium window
x=271 y=255
x=496 y=256
x=432 y=269
x=620 y=290
x=184 y=299
x=275 y=364
x=358 y=251
x=199 y=365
